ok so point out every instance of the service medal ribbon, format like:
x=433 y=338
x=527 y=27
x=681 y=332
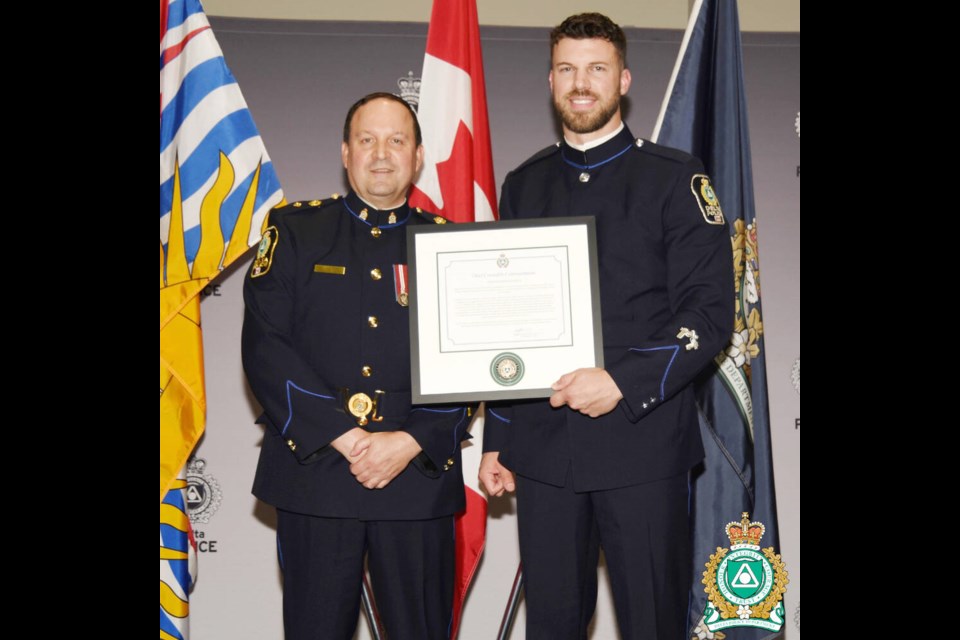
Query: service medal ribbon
x=401 y=284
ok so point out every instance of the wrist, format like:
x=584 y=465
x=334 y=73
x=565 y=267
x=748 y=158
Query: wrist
x=413 y=446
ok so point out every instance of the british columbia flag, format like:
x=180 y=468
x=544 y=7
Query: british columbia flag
x=217 y=185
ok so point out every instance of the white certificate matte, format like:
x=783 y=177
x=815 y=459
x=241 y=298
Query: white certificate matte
x=501 y=310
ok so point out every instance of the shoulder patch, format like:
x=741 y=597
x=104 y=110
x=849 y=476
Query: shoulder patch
x=706 y=198
x=538 y=156
x=268 y=243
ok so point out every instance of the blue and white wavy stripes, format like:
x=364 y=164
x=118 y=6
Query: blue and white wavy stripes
x=202 y=113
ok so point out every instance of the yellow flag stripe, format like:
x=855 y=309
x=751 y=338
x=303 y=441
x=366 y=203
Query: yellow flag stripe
x=166 y=553
x=170 y=515
x=241 y=232
x=175 y=297
x=171 y=602
x=182 y=400
x=176 y=254
x=207 y=262
x=181 y=425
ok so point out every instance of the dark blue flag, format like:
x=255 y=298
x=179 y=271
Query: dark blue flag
x=705 y=113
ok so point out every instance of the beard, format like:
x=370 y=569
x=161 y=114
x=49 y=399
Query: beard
x=584 y=122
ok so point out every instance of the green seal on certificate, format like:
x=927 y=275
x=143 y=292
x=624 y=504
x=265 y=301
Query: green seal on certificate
x=507 y=369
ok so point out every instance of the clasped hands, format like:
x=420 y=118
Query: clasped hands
x=378 y=457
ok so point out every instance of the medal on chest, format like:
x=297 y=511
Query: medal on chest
x=401 y=284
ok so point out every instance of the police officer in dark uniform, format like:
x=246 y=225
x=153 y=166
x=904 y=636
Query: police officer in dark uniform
x=605 y=461
x=351 y=467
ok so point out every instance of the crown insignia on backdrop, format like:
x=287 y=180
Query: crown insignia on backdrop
x=745 y=532
x=410 y=89
x=195 y=466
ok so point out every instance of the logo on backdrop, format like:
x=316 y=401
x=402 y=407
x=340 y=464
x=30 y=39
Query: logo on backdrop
x=796 y=617
x=203 y=492
x=744 y=584
x=795 y=375
x=410 y=89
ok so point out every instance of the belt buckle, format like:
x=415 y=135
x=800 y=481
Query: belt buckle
x=360 y=405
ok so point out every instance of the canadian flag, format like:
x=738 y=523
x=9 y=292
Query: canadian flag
x=457 y=182
x=457 y=176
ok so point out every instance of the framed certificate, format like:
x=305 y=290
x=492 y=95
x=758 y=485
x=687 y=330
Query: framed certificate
x=501 y=310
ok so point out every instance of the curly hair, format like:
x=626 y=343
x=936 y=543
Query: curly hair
x=592 y=25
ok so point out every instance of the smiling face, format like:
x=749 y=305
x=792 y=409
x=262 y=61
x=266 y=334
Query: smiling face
x=382 y=156
x=587 y=79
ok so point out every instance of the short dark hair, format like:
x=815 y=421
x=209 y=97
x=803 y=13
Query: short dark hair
x=592 y=25
x=381 y=95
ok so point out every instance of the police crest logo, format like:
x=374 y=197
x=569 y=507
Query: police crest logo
x=203 y=492
x=261 y=264
x=706 y=199
x=744 y=584
x=507 y=369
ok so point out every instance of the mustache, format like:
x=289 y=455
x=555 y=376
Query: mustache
x=582 y=94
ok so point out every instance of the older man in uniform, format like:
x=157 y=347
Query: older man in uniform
x=605 y=461
x=351 y=467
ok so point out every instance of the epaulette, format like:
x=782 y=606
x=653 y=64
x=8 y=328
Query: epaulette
x=661 y=151
x=538 y=156
x=304 y=205
x=430 y=217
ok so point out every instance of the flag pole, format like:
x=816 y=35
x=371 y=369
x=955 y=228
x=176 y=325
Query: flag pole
x=370 y=609
x=506 y=624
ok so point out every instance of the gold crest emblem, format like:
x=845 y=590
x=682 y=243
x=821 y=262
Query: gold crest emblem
x=744 y=583
x=264 y=258
x=706 y=199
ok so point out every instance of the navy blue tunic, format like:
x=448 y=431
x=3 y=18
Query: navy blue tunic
x=666 y=289
x=323 y=322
